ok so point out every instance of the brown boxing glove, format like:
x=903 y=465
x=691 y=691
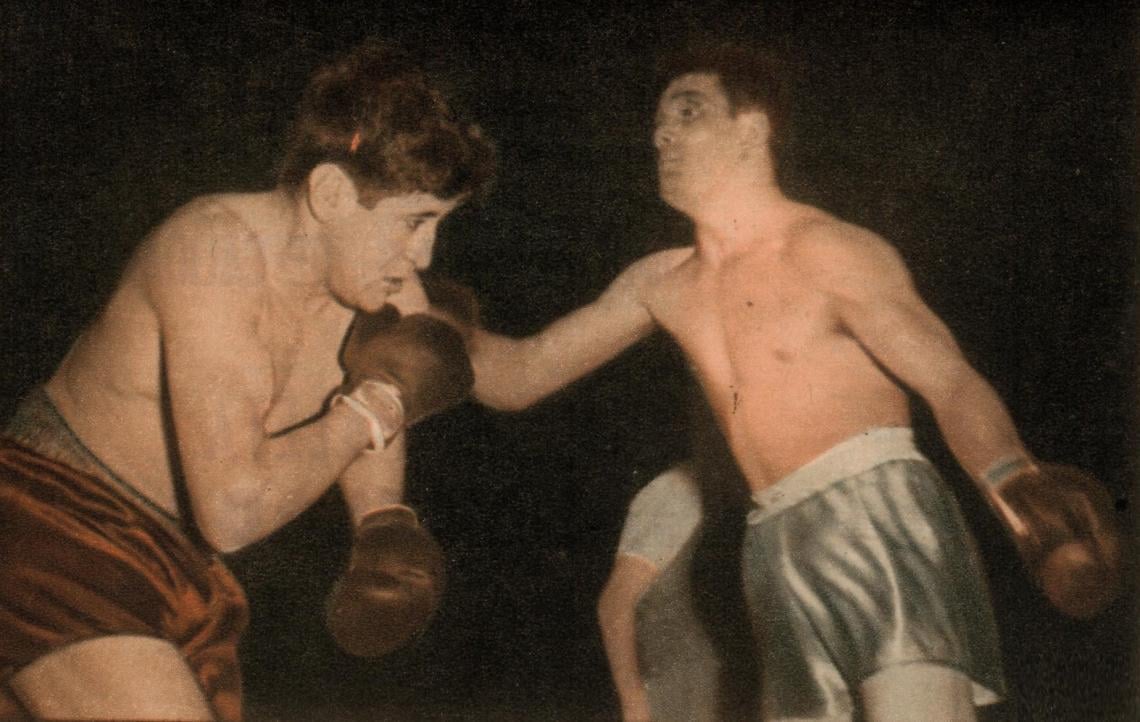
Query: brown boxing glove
x=402 y=369
x=1064 y=527
x=392 y=587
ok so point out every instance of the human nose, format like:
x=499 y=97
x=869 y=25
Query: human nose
x=662 y=136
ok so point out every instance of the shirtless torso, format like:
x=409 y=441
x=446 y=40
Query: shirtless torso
x=785 y=379
x=110 y=385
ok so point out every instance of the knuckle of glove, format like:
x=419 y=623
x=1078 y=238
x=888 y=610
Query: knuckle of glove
x=424 y=356
x=1073 y=547
x=392 y=588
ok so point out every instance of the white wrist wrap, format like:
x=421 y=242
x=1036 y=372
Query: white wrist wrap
x=380 y=405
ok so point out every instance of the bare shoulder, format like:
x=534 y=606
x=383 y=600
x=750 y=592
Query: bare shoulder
x=205 y=246
x=836 y=253
x=649 y=270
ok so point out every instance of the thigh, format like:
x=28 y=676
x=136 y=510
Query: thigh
x=119 y=677
x=919 y=691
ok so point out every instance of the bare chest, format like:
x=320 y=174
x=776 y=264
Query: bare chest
x=743 y=313
x=304 y=359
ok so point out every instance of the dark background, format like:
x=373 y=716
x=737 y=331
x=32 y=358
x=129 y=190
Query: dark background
x=994 y=147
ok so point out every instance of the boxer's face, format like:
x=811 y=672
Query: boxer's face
x=375 y=252
x=697 y=138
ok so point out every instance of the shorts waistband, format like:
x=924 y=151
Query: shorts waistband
x=852 y=456
x=38 y=425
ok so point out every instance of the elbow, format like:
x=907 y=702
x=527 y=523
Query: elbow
x=230 y=521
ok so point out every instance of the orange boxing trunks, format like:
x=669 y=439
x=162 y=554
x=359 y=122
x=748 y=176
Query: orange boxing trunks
x=79 y=560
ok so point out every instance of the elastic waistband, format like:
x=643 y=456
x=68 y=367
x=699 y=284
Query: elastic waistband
x=852 y=456
x=38 y=425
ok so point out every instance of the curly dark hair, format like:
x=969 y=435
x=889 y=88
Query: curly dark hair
x=375 y=113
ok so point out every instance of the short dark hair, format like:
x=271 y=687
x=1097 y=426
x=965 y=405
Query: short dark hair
x=752 y=78
x=374 y=112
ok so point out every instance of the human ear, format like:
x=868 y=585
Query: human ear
x=755 y=128
x=331 y=192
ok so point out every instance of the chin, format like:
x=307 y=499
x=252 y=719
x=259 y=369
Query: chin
x=673 y=198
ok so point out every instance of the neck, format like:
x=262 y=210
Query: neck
x=737 y=217
x=295 y=261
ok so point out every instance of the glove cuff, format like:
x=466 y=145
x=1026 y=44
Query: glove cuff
x=391 y=514
x=1008 y=467
x=380 y=405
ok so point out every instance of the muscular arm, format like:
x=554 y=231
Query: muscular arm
x=243 y=483
x=630 y=578
x=878 y=304
x=512 y=374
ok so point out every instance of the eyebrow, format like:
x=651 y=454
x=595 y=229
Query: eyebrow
x=686 y=95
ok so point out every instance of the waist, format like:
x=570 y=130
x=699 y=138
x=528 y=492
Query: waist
x=39 y=425
x=854 y=455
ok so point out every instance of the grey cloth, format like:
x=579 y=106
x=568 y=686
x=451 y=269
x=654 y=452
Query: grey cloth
x=679 y=664
x=859 y=561
x=37 y=424
x=662 y=517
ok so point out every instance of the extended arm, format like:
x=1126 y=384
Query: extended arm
x=630 y=578
x=1060 y=518
x=512 y=374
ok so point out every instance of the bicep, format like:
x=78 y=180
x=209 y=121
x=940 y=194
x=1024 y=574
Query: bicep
x=908 y=339
x=205 y=288
x=219 y=382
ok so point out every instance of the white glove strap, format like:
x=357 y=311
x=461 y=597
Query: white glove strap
x=1006 y=468
x=379 y=404
x=1000 y=472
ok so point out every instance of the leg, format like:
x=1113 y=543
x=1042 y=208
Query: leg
x=121 y=677
x=920 y=691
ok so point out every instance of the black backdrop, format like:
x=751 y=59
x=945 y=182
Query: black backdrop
x=995 y=147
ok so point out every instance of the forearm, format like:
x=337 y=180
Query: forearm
x=617 y=624
x=977 y=426
x=373 y=481
x=287 y=474
x=513 y=374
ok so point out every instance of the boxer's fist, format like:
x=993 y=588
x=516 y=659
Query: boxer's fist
x=421 y=357
x=392 y=587
x=1063 y=525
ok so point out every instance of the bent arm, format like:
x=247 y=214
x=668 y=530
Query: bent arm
x=514 y=373
x=630 y=578
x=879 y=305
x=243 y=482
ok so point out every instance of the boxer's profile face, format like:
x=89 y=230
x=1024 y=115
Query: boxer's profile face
x=697 y=138
x=372 y=253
